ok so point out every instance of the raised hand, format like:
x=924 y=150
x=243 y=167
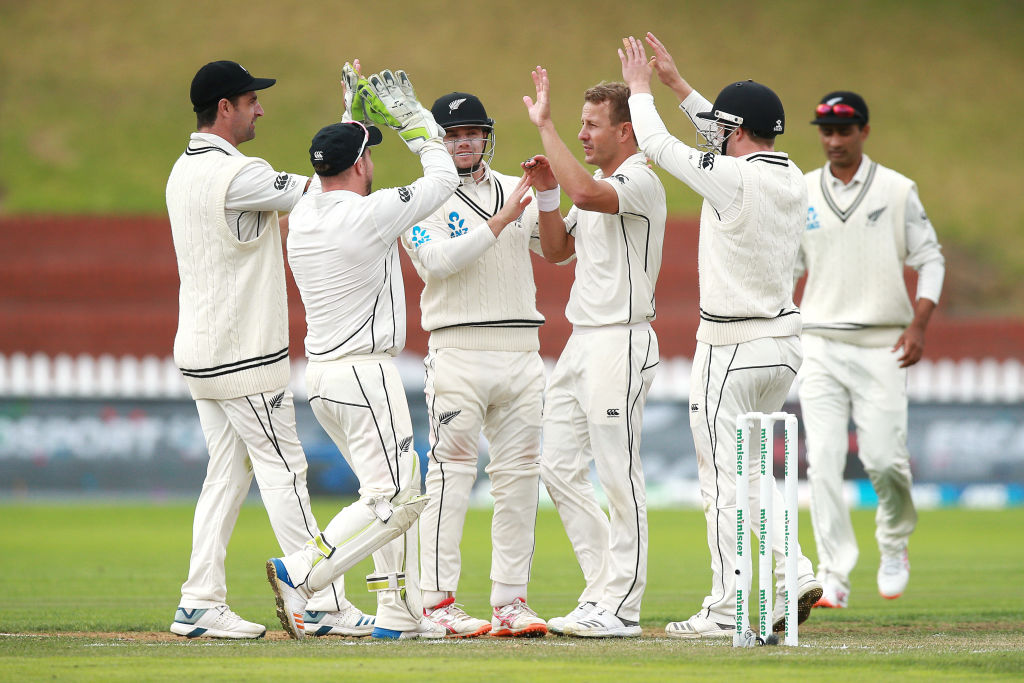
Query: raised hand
x=636 y=71
x=663 y=63
x=386 y=104
x=350 y=92
x=539 y=111
x=513 y=208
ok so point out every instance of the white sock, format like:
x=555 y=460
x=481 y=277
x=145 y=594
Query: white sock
x=432 y=599
x=505 y=593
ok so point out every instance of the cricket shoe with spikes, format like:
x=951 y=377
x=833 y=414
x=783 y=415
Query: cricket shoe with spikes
x=456 y=622
x=557 y=624
x=893 y=574
x=214 y=622
x=700 y=626
x=290 y=599
x=808 y=591
x=426 y=629
x=601 y=623
x=517 y=620
x=347 y=622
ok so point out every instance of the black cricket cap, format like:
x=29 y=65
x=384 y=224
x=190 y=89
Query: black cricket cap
x=225 y=78
x=460 y=109
x=340 y=145
x=758 y=106
x=830 y=118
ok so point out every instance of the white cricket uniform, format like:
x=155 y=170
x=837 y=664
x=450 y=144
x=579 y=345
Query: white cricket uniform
x=858 y=237
x=232 y=346
x=748 y=349
x=596 y=395
x=483 y=374
x=343 y=252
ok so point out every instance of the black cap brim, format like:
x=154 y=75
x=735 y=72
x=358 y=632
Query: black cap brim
x=376 y=137
x=261 y=83
x=838 y=121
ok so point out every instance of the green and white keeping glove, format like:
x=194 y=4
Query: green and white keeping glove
x=388 y=101
x=354 y=110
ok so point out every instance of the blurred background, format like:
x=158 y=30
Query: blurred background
x=94 y=110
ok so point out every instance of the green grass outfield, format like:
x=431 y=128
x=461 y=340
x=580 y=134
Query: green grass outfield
x=90 y=591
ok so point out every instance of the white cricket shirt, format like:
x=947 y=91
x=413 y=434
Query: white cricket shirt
x=618 y=256
x=343 y=252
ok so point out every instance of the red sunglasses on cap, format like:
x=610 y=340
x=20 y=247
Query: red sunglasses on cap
x=841 y=110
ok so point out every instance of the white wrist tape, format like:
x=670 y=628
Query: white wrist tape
x=549 y=200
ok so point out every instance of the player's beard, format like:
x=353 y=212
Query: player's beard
x=369 y=186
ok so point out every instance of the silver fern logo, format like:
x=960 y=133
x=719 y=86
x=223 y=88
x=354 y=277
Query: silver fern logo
x=445 y=418
x=276 y=402
x=455 y=104
x=404 y=444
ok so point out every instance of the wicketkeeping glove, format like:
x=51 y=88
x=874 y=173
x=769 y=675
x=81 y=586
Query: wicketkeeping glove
x=354 y=110
x=390 y=101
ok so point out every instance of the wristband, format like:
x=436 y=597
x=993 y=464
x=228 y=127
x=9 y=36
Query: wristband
x=549 y=200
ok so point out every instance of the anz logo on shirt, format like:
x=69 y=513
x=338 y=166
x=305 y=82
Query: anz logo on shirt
x=456 y=225
x=419 y=236
x=812 y=219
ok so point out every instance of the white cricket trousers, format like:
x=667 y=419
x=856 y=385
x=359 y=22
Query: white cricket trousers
x=726 y=382
x=498 y=393
x=839 y=380
x=251 y=435
x=593 y=412
x=361 y=404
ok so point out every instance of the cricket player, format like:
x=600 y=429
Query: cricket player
x=343 y=250
x=232 y=348
x=483 y=374
x=596 y=395
x=748 y=344
x=864 y=223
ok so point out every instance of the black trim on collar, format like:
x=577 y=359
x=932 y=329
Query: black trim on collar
x=826 y=191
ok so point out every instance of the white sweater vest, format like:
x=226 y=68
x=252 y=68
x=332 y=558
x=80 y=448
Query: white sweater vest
x=491 y=304
x=855 y=291
x=232 y=335
x=746 y=264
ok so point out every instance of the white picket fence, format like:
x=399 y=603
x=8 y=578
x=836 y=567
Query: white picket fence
x=944 y=381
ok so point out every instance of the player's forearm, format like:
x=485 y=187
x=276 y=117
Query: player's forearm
x=554 y=240
x=444 y=258
x=922 y=314
x=571 y=176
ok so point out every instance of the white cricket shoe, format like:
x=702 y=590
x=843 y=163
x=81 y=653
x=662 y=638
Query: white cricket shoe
x=833 y=595
x=808 y=592
x=516 y=619
x=347 y=622
x=291 y=604
x=425 y=629
x=456 y=622
x=601 y=623
x=700 y=626
x=214 y=622
x=893 y=574
x=557 y=624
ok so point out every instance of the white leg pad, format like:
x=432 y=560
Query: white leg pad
x=356 y=532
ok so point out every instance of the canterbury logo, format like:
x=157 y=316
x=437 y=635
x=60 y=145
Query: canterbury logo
x=694 y=408
x=318 y=156
x=455 y=104
x=405 y=194
x=613 y=412
x=404 y=445
x=281 y=182
x=445 y=418
x=277 y=401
